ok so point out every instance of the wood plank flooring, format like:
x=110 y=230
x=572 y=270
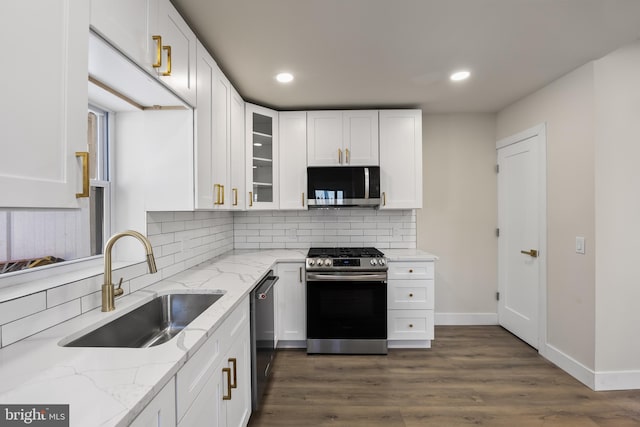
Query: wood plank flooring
x=478 y=375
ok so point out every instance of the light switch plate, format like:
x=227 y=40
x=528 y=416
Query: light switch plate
x=579 y=245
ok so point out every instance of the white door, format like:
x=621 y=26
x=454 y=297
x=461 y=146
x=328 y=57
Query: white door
x=521 y=243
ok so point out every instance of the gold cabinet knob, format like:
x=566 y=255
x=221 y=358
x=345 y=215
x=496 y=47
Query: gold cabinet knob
x=411 y=325
x=411 y=270
x=410 y=295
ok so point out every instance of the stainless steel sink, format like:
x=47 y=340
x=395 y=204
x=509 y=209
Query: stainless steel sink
x=151 y=324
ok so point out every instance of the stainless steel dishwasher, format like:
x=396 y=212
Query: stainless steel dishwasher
x=262 y=336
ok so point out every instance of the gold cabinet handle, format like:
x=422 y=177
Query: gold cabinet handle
x=384 y=198
x=216 y=189
x=85 y=174
x=250 y=198
x=235 y=196
x=228 y=395
x=346 y=154
x=158 y=40
x=168 y=71
x=222 y=191
x=303 y=200
x=532 y=253
x=233 y=360
x=339 y=156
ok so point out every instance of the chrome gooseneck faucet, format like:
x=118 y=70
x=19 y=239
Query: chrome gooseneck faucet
x=109 y=291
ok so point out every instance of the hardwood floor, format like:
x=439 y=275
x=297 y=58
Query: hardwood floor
x=478 y=375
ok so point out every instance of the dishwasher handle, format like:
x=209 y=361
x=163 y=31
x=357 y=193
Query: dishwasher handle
x=265 y=287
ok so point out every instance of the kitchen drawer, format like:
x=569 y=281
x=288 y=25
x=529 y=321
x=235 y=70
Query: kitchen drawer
x=410 y=325
x=411 y=270
x=410 y=294
x=193 y=376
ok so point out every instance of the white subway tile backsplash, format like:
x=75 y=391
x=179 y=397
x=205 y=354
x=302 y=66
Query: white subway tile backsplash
x=27 y=326
x=339 y=227
x=22 y=307
x=184 y=239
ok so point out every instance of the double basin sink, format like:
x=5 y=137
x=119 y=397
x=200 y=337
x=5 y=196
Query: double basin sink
x=151 y=324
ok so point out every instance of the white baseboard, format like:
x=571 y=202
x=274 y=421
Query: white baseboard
x=409 y=344
x=598 y=381
x=617 y=380
x=570 y=365
x=466 y=319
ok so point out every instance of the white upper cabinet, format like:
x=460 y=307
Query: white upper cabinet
x=153 y=34
x=293 y=156
x=342 y=138
x=206 y=194
x=178 y=53
x=128 y=24
x=401 y=159
x=238 y=195
x=43 y=107
x=220 y=139
x=262 y=157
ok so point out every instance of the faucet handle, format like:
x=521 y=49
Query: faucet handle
x=118 y=291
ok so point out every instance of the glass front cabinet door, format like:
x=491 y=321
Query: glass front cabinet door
x=262 y=157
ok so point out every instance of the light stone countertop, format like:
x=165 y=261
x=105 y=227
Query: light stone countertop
x=111 y=386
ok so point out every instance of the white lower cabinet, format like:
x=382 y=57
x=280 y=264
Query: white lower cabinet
x=291 y=331
x=214 y=387
x=161 y=411
x=410 y=303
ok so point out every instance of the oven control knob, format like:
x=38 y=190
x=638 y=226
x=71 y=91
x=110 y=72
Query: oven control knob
x=323 y=262
x=382 y=261
x=327 y=262
x=311 y=262
x=373 y=261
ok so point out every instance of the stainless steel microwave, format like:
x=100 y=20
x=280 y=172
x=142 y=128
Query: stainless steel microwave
x=343 y=186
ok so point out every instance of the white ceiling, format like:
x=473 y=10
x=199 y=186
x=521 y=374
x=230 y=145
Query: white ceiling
x=399 y=53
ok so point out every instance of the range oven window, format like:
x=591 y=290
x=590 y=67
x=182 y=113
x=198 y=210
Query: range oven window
x=347 y=310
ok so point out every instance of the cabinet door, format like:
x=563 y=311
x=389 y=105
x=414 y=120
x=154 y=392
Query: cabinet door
x=262 y=157
x=161 y=411
x=208 y=408
x=291 y=312
x=221 y=144
x=324 y=138
x=237 y=164
x=293 y=156
x=181 y=60
x=238 y=408
x=401 y=159
x=127 y=24
x=205 y=191
x=360 y=136
x=43 y=107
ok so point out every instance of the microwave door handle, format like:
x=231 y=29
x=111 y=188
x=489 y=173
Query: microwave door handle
x=366 y=183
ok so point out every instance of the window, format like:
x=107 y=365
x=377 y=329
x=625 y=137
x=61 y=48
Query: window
x=32 y=238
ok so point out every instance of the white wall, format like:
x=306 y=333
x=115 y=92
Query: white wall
x=459 y=215
x=617 y=211
x=567 y=107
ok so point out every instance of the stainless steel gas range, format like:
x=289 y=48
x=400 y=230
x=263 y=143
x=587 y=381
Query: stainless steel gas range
x=346 y=301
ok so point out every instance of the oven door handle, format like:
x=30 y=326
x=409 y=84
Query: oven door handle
x=357 y=277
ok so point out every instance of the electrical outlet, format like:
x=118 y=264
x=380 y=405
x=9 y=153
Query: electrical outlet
x=579 y=245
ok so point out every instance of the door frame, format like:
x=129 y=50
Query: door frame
x=539 y=131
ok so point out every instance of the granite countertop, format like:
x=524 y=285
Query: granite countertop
x=110 y=386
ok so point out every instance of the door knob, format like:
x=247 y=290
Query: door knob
x=532 y=253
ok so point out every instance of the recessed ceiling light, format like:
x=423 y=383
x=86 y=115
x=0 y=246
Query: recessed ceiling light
x=460 y=75
x=284 y=77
